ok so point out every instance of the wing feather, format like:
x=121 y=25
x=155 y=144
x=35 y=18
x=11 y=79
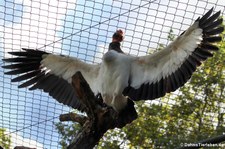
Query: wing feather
x=153 y=76
x=26 y=75
x=51 y=73
x=150 y=93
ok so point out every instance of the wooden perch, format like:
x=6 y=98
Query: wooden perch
x=73 y=117
x=100 y=118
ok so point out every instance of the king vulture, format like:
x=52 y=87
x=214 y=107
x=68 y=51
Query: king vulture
x=120 y=78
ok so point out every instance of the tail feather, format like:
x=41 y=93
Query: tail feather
x=128 y=114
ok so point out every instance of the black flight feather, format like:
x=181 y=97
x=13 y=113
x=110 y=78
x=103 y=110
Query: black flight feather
x=210 y=19
x=209 y=46
x=26 y=76
x=31 y=81
x=22 y=70
x=213 y=24
x=204 y=18
x=213 y=39
x=22 y=59
x=215 y=31
x=150 y=91
x=20 y=65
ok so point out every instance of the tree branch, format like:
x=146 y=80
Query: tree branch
x=100 y=118
x=73 y=117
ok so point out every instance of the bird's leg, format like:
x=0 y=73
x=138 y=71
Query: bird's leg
x=103 y=102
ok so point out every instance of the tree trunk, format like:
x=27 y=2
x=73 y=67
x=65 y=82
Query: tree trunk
x=100 y=117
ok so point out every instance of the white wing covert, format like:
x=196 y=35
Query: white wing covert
x=155 y=75
x=51 y=73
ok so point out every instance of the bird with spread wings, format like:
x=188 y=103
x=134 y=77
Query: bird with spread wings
x=120 y=78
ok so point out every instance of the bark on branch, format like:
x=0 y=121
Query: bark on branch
x=100 y=118
x=73 y=117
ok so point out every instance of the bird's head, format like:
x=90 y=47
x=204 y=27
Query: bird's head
x=117 y=37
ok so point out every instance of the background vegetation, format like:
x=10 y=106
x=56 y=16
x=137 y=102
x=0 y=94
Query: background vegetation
x=4 y=139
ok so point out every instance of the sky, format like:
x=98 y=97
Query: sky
x=81 y=29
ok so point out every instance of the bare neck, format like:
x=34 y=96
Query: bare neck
x=115 y=46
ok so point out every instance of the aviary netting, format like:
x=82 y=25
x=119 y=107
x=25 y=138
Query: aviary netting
x=84 y=29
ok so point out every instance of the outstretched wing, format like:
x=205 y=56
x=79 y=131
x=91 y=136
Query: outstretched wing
x=155 y=75
x=51 y=73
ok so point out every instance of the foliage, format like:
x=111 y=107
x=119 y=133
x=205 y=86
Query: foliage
x=68 y=133
x=170 y=37
x=4 y=139
x=194 y=113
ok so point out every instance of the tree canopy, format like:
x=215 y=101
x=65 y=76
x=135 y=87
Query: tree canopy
x=4 y=139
